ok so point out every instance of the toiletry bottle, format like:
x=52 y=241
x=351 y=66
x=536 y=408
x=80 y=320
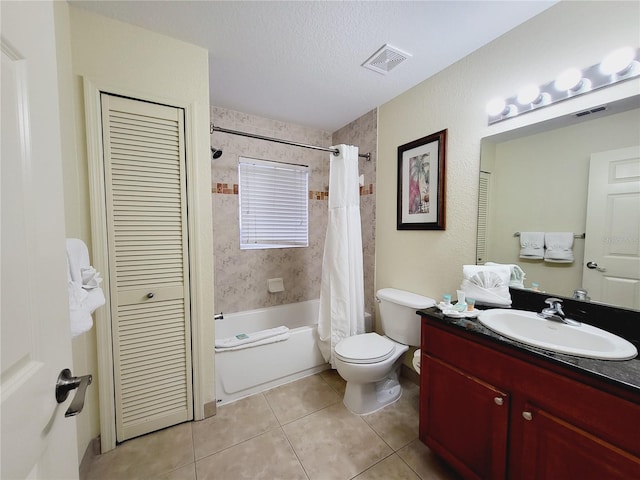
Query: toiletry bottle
x=535 y=287
x=461 y=306
x=446 y=300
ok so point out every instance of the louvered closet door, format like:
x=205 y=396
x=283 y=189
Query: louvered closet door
x=148 y=261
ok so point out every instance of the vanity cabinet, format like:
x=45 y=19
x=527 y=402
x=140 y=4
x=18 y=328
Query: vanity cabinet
x=493 y=412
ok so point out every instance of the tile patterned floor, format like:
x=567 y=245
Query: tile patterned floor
x=297 y=431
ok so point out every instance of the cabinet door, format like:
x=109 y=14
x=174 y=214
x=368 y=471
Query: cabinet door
x=556 y=449
x=464 y=420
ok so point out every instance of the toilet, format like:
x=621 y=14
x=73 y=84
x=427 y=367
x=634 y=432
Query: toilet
x=370 y=363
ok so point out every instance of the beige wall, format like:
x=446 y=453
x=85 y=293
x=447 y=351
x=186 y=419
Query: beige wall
x=126 y=59
x=558 y=160
x=568 y=34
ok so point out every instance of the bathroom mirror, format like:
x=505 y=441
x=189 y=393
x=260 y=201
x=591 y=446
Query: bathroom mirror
x=535 y=179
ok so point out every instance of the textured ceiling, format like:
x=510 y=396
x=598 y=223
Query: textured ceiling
x=300 y=61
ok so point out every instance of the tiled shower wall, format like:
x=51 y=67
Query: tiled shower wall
x=241 y=275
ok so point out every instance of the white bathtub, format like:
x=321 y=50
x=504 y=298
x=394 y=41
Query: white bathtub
x=240 y=373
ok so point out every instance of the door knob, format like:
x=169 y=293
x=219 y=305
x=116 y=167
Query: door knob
x=594 y=266
x=67 y=382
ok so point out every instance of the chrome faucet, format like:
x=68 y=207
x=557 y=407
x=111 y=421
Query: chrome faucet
x=554 y=312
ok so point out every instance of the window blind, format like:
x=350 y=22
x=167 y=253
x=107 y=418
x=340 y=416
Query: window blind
x=274 y=202
x=483 y=209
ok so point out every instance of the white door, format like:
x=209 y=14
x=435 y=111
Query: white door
x=37 y=441
x=611 y=272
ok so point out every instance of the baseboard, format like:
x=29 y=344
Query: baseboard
x=92 y=451
x=210 y=409
x=410 y=374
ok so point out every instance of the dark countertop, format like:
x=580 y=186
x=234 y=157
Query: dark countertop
x=622 y=373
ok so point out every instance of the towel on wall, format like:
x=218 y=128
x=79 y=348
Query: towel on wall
x=532 y=245
x=85 y=294
x=517 y=277
x=488 y=285
x=559 y=247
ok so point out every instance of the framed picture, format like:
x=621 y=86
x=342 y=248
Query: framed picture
x=421 y=183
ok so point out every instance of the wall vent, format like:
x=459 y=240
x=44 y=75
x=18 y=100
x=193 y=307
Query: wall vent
x=385 y=59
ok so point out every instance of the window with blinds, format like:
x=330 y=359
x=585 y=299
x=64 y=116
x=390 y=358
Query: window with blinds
x=274 y=201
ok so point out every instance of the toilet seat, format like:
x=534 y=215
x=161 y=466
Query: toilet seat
x=365 y=348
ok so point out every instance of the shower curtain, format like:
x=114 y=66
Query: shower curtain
x=341 y=311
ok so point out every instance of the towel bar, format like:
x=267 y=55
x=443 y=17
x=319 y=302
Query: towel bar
x=577 y=235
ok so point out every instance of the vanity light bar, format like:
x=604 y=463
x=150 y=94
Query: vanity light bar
x=620 y=65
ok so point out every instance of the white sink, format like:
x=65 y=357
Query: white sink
x=582 y=341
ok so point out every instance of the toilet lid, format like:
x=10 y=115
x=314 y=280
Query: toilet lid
x=365 y=348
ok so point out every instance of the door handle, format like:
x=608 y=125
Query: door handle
x=594 y=266
x=67 y=382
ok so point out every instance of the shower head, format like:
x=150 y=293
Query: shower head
x=215 y=153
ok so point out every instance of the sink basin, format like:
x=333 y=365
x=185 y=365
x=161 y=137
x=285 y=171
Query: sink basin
x=582 y=341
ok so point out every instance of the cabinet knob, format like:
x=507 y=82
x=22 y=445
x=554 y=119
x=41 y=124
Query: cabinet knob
x=150 y=295
x=527 y=416
x=499 y=400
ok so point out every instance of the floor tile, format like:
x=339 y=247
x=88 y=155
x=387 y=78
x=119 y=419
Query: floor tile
x=233 y=423
x=333 y=378
x=266 y=457
x=335 y=444
x=425 y=463
x=188 y=472
x=148 y=456
x=397 y=423
x=392 y=467
x=302 y=397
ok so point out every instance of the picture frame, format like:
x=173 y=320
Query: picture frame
x=421 y=183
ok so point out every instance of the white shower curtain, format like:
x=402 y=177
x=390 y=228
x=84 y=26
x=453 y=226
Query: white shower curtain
x=342 y=290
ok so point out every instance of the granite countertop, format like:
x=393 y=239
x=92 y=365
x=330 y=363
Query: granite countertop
x=624 y=373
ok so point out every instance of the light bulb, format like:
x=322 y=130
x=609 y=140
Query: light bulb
x=496 y=107
x=617 y=61
x=528 y=94
x=568 y=80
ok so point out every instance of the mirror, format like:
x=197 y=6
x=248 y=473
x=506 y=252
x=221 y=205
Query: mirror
x=535 y=179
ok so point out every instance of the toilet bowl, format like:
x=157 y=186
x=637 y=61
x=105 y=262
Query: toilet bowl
x=370 y=363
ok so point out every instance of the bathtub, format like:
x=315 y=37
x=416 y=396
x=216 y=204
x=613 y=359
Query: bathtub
x=240 y=373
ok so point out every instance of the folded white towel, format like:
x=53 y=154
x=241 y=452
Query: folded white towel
x=532 y=245
x=244 y=338
x=276 y=338
x=559 y=247
x=83 y=281
x=488 y=285
x=517 y=274
x=78 y=256
x=90 y=277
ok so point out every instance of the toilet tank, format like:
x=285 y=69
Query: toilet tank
x=398 y=316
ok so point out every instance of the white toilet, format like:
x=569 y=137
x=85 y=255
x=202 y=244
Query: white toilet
x=370 y=363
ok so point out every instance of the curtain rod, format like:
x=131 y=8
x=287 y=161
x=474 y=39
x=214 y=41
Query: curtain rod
x=335 y=151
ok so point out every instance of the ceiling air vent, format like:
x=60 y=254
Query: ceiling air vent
x=593 y=110
x=385 y=59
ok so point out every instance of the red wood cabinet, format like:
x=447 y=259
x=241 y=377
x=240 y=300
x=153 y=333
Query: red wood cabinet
x=494 y=413
x=468 y=420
